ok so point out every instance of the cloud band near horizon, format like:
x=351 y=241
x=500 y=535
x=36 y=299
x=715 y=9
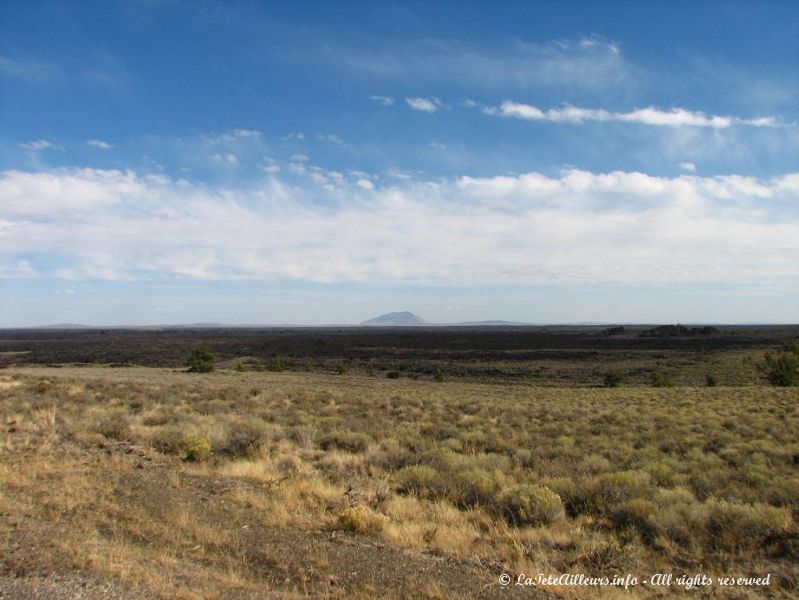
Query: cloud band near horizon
x=322 y=226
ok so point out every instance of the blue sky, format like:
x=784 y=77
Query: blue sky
x=248 y=162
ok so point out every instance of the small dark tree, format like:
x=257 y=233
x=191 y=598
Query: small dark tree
x=618 y=330
x=710 y=380
x=278 y=364
x=612 y=379
x=201 y=360
x=661 y=380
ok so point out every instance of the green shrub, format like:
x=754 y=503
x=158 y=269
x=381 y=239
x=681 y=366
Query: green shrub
x=243 y=439
x=114 y=426
x=594 y=464
x=636 y=513
x=250 y=364
x=529 y=505
x=782 y=369
x=351 y=441
x=167 y=439
x=566 y=489
x=277 y=364
x=393 y=375
x=524 y=457
x=171 y=440
x=604 y=493
x=361 y=519
x=438 y=375
x=195 y=448
x=678 y=517
x=791 y=346
x=735 y=527
x=662 y=472
x=341 y=369
x=165 y=416
x=201 y=360
x=661 y=380
x=417 y=479
x=612 y=379
x=471 y=487
x=710 y=380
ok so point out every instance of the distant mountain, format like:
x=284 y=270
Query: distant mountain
x=396 y=319
x=64 y=326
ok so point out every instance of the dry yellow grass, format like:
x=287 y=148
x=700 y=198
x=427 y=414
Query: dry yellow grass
x=501 y=478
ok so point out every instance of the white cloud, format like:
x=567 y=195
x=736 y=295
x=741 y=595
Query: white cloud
x=16 y=269
x=365 y=184
x=429 y=105
x=688 y=167
x=576 y=228
x=383 y=100
x=231 y=137
x=99 y=144
x=55 y=194
x=675 y=117
x=225 y=158
x=331 y=138
x=37 y=145
x=245 y=133
x=594 y=41
x=397 y=173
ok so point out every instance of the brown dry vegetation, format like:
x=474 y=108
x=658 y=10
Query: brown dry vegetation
x=242 y=484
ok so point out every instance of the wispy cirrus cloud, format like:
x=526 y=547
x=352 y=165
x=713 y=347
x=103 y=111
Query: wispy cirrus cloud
x=382 y=100
x=205 y=152
x=675 y=117
x=37 y=145
x=331 y=138
x=325 y=226
x=96 y=69
x=231 y=136
x=29 y=70
x=225 y=158
x=588 y=62
x=99 y=144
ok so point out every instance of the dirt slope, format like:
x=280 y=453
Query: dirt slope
x=123 y=523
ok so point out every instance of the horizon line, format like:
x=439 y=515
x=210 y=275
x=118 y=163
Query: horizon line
x=482 y=322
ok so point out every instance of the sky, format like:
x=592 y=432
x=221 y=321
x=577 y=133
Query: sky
x=326 y=162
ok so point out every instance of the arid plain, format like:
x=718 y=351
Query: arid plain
x=396 y=462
